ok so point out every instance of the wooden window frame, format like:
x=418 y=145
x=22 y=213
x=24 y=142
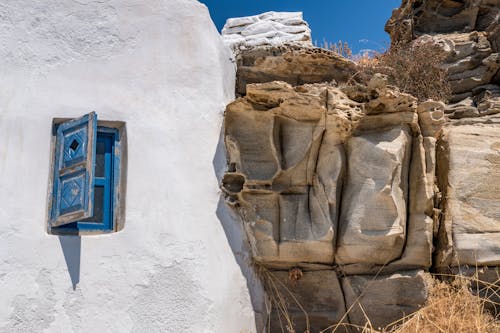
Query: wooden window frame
x=116 y=130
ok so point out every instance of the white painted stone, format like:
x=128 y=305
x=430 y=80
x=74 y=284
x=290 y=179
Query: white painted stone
x=161 y=67
x=270 y=28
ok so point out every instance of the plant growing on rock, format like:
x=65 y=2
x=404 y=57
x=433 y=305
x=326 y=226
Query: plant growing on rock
x=415 y=68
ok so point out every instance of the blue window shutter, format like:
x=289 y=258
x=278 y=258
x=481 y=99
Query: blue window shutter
x=73 y=193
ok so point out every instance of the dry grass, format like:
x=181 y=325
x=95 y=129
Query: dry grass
x=415 y=68
x=450 y=308
x=341 y=48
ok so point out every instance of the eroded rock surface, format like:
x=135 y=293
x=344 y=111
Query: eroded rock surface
x=384 y=299
x=296 y=65
x=334 y=185
x=360 y=183
x=323 y=308
x=470 y=228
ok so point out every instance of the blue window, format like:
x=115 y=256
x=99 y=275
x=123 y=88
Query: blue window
x=86 y=186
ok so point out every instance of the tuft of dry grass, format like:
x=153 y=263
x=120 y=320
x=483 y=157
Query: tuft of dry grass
x=341 y=48
x=452 y=308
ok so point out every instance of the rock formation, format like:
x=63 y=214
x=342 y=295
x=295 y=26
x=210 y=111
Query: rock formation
x=356 y=185
x=269 y=28
x=324 y=182
x=468 y=31
x=467 y=152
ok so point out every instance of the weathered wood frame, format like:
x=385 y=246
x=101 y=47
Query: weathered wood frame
x=119 y=182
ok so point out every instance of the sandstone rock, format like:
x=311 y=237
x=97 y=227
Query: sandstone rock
x=487 y=99
x=270 y=28
x=431 y=118
x=287 y=162
x=471 y=61
x=373 y=215
x=463 y=109
x=416 y=17
x=323 y=309
x=293 y=64
x=469 y=33
x=300 y=157
x=470 y=169
x=309 y=167
x=384 y=299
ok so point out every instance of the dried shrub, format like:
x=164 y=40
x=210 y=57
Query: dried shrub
x=341 y=48
x=452 y=308
x=415 y=68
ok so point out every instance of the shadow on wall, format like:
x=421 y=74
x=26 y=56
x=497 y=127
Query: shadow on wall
x=72 y=248
x=237 y=239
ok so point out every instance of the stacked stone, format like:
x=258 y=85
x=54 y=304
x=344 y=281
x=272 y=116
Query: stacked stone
x=269 y=28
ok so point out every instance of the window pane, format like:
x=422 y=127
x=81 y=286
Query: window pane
x=98 y=206
x=99 y=159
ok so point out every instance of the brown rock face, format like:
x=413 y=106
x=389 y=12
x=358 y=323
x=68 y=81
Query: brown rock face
x=361 y=188
x=333 y=186
x=291 y=64
x=417 y=17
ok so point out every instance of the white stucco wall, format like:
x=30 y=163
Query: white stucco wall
x=160 y=66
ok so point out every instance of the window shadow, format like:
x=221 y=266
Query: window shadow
x=72 y=248
x=238 y=241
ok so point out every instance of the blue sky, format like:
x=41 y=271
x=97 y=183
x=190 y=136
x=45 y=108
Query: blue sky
x=359 y=22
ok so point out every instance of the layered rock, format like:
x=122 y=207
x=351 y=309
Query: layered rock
x=293 y=64
x=266 y=29
x=470 y=169
x=469 y=33
x=303 y=295
x=384 y=299
x=358 y=184
x=335 y=185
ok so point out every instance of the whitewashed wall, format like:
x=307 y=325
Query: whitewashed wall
x=161 y=67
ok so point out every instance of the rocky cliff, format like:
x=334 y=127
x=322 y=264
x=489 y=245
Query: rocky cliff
x=468 y=31
x=352 y=192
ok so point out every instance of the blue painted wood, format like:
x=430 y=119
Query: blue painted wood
x=109 y=138
x=73 y=183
